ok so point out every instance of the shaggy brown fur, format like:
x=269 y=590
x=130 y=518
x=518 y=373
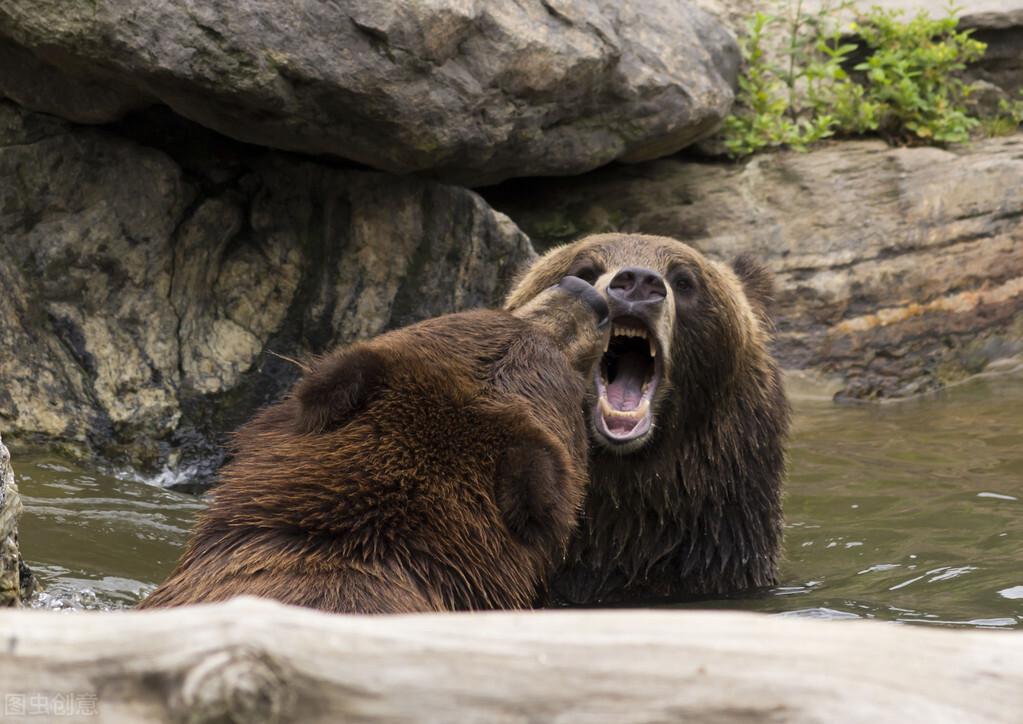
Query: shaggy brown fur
x=693 y=505
x=437 y=467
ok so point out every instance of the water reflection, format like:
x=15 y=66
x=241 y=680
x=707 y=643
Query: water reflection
x=909 y=512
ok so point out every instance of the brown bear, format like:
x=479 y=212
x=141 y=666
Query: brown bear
x=688 y=419
x=437 y=467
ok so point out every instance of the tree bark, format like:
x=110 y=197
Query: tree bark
x=257 y=661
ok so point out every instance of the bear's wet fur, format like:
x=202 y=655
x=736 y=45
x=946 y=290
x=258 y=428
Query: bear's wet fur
x=693 y=507
x=437 y=467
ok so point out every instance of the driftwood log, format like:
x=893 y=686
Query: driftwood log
x=257 y=661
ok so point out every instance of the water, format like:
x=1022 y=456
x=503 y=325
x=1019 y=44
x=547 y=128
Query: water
x=96 y=541
x=909 y=511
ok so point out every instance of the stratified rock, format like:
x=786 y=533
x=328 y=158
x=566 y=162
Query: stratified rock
x=15 y=579
x=898 y=270
x=148 y=300
x=466 y=90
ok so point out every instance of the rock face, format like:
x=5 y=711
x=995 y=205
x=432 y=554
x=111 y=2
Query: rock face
x=15 y=578
x=999 y=23
x=898 y=270
x=149 y=296
x=466 y=90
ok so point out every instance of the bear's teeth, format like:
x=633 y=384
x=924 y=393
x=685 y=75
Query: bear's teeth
x=638 y=414
x=653 y=347
x=628 y=332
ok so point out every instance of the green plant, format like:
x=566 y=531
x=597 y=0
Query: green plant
x=905 y=83
x=1008 y=119
x=769 y=115
x=913 y=74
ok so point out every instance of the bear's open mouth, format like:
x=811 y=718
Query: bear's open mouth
x=626 y=380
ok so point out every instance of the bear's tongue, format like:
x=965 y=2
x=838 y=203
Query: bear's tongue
x=626 y=382
x=626 y=391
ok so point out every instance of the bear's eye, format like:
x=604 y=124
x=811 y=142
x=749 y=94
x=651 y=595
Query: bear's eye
x=683 y=282
x=588 y=272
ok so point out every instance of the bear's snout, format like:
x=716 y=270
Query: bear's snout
x=587 y=293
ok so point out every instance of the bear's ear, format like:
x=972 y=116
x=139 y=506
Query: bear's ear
x=531 y=494
x=337 y=387
x=757 y=282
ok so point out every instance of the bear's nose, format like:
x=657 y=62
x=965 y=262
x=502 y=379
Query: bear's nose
x=637 y=286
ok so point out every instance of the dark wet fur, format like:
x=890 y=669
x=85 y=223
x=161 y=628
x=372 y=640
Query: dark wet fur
x=438 y=467
x=697 y=510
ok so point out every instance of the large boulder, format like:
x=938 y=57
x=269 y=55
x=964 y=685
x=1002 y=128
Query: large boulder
x=467 y=90
x=15 y=578
x=899 y=270
x=152 y=298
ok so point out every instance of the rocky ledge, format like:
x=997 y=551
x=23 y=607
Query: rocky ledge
x=15 y=578
x=899 y=270
x=158 y=279
x=472 y=92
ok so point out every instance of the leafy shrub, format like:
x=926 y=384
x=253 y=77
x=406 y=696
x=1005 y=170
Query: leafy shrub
x=904 y=83
x=768 y=116
x=912 y=72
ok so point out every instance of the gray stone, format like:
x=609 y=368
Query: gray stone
x=898 y=270
x=152 y=301
x=15 y=578
x=464 y=90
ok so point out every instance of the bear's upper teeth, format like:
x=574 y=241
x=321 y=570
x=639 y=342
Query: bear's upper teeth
x=620 y=331
x=617 y=331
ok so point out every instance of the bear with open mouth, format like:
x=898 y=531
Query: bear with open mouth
x=688 y=420
x=437 y=467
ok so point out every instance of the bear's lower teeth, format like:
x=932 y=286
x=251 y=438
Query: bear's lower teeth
x=636 y=414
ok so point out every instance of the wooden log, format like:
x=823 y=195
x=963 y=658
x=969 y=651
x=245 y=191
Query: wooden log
x=256 y=661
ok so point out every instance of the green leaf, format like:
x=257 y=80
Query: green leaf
x=908 y=82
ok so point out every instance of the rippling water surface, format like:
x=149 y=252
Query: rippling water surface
x=910 y=511
x=95 y=541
